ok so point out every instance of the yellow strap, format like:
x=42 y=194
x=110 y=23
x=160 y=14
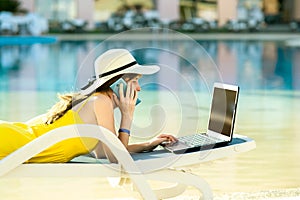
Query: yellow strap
x=81 y=106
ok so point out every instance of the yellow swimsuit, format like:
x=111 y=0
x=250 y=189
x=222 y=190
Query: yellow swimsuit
x=14 y=135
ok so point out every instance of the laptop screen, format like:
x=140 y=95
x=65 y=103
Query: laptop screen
x=223 y=111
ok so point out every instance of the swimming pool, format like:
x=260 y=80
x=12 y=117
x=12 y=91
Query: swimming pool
x=250 y=64
x=177 y=99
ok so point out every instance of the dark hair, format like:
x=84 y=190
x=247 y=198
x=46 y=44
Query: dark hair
x=105 y=86
x=129 y=76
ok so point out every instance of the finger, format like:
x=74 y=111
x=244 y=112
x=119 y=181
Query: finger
x=121 y=91
x=173 y=138
x=128 y=90
x=132 y=94
x=169 y=137
x=162 y=135
x=131 y=90
x=116 y=99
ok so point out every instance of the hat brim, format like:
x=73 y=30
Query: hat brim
x=141 y=69
x=135 y=69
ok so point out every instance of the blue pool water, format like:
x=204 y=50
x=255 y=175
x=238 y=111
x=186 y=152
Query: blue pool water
x=26 y=40
x=66 y=65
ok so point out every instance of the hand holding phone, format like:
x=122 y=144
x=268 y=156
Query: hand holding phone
x=116 y=85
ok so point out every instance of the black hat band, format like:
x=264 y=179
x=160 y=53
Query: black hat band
x=91 y=81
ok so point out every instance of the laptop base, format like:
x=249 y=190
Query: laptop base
x=179 y=150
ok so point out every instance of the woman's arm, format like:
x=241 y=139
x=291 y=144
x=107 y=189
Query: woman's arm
x=152 y=144
x=126 y=104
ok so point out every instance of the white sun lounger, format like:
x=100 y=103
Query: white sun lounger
x=157 y=165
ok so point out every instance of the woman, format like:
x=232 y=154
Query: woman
x=94 y=104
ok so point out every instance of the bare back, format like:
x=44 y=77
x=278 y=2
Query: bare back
x=85 y=110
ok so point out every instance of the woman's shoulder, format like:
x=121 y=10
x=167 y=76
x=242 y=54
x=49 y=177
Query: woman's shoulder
x=102 y=100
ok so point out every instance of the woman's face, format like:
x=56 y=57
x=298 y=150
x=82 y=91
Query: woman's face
x=134 y=81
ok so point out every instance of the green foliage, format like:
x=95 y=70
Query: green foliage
x=10 y=5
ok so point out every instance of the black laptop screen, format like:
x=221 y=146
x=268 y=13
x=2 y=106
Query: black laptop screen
x=222 y=111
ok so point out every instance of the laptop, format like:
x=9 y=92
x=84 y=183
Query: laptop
x=220 y=124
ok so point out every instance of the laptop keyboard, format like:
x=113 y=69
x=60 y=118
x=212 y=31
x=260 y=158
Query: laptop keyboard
x=197 y=140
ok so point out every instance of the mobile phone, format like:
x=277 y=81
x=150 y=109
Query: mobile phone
x=116 y=85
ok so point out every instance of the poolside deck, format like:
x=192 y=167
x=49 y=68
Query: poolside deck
x=179 y=36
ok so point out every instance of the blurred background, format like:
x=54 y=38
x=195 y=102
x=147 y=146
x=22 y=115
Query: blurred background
x=44 y=44
x=45 y=16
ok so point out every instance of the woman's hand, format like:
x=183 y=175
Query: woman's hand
x=126 y=104
x=150 y=145
x=160 y=139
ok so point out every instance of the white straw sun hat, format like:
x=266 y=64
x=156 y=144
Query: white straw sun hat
x=112 y=63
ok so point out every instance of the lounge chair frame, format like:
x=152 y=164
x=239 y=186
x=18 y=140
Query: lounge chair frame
x=157 y=165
